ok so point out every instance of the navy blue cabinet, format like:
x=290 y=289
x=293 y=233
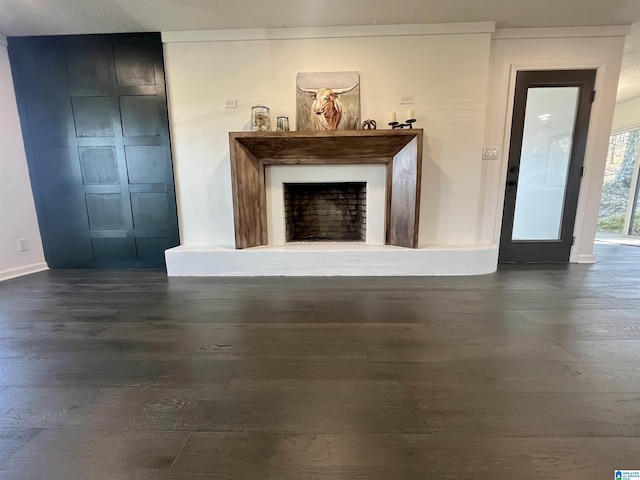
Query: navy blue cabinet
x=94 y=120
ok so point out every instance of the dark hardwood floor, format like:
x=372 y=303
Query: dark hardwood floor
x=529 y=373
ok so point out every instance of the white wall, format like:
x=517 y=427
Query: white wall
x=531 y=49
x=446 y=70
x=626 y=116
x=446 y=74
x=17 y=211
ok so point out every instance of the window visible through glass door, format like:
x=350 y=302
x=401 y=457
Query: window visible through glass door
x=619 y=206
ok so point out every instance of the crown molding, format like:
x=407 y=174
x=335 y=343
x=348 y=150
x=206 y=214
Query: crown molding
x=248 y=34
x=561 y=32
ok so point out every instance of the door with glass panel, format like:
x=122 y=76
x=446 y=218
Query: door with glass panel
x=548 y=138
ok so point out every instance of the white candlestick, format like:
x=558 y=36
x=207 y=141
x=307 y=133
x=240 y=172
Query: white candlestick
x=411 y=114
x=392 y=117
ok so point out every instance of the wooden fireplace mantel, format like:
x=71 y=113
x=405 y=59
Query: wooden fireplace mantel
x=399 y=150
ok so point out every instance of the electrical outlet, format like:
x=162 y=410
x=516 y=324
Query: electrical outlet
x=406 y=99
x=490 y=153
x=231 y=103
x=23 y=245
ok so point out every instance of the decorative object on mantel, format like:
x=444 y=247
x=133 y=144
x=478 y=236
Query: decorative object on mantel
x=328 y=101
x=369 y=125
x=260 y=118
x=282 y=124
x=411 y=119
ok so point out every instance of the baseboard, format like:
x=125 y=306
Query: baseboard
x=20 y=271
x=586 y=259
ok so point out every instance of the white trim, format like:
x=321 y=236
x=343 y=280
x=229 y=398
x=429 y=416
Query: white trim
x=585 y=259
x=20 y=271
x=3 y=40
x=561 y=32
x=327 y=32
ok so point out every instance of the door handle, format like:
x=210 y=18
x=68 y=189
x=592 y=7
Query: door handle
x=511 y=183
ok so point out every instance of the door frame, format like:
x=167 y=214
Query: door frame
x=543 y=251
x=589 y=196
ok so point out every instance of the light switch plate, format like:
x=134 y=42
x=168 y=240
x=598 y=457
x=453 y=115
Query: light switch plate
x=406 y=99
x=231 y=103
x=490 y=153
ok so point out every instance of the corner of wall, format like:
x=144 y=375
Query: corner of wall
x=19 y=221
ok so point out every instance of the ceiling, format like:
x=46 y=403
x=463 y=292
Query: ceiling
x=58 y=17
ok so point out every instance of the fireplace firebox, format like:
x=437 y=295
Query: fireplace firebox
x=325 y=211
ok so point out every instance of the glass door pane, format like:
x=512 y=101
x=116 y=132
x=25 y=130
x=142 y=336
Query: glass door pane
x=544 y=161
x=618 y=184
x=634 y=220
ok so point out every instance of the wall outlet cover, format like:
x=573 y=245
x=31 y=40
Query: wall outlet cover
x=23 y=244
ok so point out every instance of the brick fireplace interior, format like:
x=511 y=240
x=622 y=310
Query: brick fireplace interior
x=325 y=211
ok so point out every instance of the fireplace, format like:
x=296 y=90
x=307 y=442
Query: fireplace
x=325 y=212
x=253 y=154
x=388 y=161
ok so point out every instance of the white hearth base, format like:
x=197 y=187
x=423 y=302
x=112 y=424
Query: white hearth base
x=330 y=259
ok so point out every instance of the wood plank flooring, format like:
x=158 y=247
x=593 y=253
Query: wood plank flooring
x=529 y=373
